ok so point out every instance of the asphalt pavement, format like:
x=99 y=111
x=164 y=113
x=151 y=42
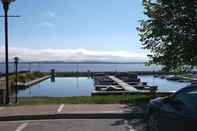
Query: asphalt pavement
x=75 y=125
x=62 y=111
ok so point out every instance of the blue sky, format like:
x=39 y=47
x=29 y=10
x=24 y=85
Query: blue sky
x=93 y=28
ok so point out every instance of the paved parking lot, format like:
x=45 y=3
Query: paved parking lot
x=62 y=108
x=75 y=125
x=105 y=124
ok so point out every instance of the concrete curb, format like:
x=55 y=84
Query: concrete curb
x=73 y=116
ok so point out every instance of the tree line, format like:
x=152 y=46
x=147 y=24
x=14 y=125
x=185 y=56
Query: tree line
x=169 y=32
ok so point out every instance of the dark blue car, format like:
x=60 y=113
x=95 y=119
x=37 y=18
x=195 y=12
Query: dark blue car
x=177 y=112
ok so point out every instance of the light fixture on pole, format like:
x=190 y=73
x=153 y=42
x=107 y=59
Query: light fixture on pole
x=6 y=4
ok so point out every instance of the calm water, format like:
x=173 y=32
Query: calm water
x=163 y=84
x=83 y=86
x=61 y=87
x=46 y=67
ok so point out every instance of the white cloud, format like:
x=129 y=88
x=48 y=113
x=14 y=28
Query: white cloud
x=48 y=24
x=26 y=54
x=51 y=14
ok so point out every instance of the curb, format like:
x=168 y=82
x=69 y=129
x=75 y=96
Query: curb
x=73 y=116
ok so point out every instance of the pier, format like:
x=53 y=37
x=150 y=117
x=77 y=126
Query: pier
x=12 y=87
x=123 y=84
x=33 y=82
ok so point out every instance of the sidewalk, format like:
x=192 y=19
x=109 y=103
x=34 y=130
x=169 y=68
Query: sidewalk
x=62 y=111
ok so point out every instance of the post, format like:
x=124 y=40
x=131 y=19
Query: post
x=6 y=4
x=16 y=78
x=52 y=75
x=6 y=7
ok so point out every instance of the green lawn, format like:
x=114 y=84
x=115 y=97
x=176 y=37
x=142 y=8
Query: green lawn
x=84 y=100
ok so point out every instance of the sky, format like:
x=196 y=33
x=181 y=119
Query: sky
x=74 y=30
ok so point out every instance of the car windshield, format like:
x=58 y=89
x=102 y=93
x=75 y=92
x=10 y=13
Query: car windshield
x=188 y=98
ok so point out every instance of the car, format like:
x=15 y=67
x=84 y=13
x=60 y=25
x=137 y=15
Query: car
x=177 y=112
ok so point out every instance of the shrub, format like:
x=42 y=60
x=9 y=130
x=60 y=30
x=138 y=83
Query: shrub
x=29 y=76
x=37 y=74
x=22 y=77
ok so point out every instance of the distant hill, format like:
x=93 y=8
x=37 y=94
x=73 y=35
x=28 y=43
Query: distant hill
x=81 y=62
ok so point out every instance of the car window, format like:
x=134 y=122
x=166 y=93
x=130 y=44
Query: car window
x=188 y=98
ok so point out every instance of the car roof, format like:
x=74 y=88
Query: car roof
x=190 y=87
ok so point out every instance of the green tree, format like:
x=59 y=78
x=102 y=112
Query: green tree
x=170 y=33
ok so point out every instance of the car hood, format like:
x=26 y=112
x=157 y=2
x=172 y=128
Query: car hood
x=158 y=102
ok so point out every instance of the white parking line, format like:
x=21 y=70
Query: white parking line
x=21 y=127
x=60 y=108
x=131 y=130
x=130 y=127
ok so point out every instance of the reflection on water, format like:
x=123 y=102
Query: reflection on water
x=61 y=87
x=83 y=86
x=163 y=84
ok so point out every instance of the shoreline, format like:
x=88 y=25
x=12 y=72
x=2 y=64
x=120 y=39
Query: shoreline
x=86 y=73
x=69 y=74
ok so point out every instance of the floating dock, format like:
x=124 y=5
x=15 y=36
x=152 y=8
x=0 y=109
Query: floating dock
x=27 y=84
x=123 y=84
x=109 y=93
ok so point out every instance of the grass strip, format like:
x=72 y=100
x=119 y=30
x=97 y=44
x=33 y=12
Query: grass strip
x=83 y=100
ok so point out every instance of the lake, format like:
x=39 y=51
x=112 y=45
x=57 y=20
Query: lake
x=61 y=87
x=163 y=84
x=68 y=67
x=83 y=86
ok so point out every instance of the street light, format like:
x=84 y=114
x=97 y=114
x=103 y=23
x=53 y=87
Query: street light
x=16 y=59
x=6 y=4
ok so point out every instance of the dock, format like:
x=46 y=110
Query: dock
x=124 y=85
x=12 y=88
x=30 y=83
x=114 y=93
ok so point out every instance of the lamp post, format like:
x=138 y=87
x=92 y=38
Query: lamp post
x=6 y=4
x=16 y=59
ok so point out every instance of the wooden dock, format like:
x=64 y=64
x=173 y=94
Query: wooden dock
x=124 y=85
x=30 y=83
x=109 y=93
